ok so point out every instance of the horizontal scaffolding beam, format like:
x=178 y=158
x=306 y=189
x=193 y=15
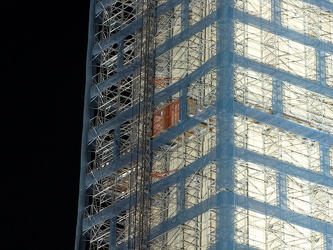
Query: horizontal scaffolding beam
x=185 y=34
x=282 y=214
x=182 y=173
x=110 y=169
x=282 y=31
x=325 y=4
x=130 y=29
x=284 y=76
x=167 y=6
x=126 y=72
x=280 y=166
x=289 y=126
x=186 y=81
x=182 y=217
x=182 y=127
x=108 y=213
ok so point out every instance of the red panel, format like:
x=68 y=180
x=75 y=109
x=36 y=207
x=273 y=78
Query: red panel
x=171 y=114
x=165 y=118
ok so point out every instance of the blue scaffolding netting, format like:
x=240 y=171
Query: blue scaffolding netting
x=208 y=124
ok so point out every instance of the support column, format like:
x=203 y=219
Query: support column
x=281 y=183
x=276 y=12
x=225 y=124
x=117 y=140
x=183 y=92
x=181 y=195
x=329 y=242
x=277 y=95
x=183 y=105
x=324 y=159
x=185 y=14
x=321 y=67
x=113 y=233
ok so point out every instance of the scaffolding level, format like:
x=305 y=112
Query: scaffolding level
x=208 y=124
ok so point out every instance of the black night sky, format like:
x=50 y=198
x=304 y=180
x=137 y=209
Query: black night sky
x=43 y=53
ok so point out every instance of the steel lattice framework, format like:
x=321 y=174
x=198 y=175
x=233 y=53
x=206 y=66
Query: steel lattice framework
x=208 y=124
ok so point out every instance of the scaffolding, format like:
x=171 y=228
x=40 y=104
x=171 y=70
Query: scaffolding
x=208 y=125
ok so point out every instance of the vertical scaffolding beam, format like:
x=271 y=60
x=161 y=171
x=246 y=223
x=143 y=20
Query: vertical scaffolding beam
x=225 y=124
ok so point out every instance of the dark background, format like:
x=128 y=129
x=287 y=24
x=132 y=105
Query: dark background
x=43 y=54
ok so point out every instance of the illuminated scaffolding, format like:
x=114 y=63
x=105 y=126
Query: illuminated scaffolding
x=208 y=125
